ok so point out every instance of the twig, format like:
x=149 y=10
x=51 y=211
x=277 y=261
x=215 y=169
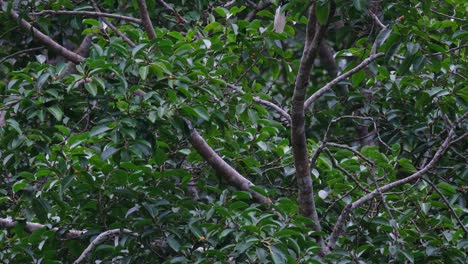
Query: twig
x=339 y=225
x=377 y=20
x=145 y=18
x=272 y=105
x=448 y=16
x=229 y=3
x=345 y=172
x=46 y=40
x=99 y=239
x=338 y=79
x=114 y=28
x=446 y=201
x=357 y=153
x=20 y=52
x=30 y=227
x=278 y=109
x=450 y=50
x=180 y=19
x=86 y=13
x=260 y=6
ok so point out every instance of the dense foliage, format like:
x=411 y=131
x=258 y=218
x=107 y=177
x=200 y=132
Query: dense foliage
x=105 y=143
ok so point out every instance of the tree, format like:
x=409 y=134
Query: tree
x=191 y=131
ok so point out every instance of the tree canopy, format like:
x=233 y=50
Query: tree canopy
x=233 y=131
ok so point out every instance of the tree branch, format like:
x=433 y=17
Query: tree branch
x=99 y=239
x=272 y=105
x=86 y=13
x=114 y=28
x=340 y=223
x=446 y=201
x=314 y=35
x=338 y=79
x=31 y=227
x=145 y=18
x=46 y=40
x=260 y=6
x=180 y=19
x=223 y=169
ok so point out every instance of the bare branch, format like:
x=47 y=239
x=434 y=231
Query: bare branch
x=86 y=13
x=448 y=16
x=260 y=6
x=340 y=223
x=46 y=40
x=30 y=227
x=338 y=79
x=99 y=239
x=314 y=36
x=229 y=3
x=145 y=18
x=20 y=52
x=114 y=28
x=272 y=105
x=377 y=20
x=180 y=19
x=278 y=109
x=223 y=169
x=357 y=153
x=345 y=172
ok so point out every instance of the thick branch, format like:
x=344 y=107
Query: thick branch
x=223 y=169
x=145 y=18
x=341 y=221
x=86 y=13
x=314 y=35
x=30 y=227
x=46 y=40
x=338 y=79
x=99 y=239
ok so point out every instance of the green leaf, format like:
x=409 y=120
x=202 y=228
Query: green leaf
x=406 y=165
x=359 y=4
x=91 y=88
x=382 y=37
x=447 y=188
x=19 y=185
x=322 y=11
x=90 y=21
x=98 y=130
x=278 y=256
x=143 y=71
x=56 y=112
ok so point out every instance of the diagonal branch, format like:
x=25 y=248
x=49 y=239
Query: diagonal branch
x=272 y=105
x=145 y=18
x=180 y=19
x=224 y=170
x=86 y=13
x=341 y=221
x=446 y=201
x=338 y=79
x=101 y=238
x=114 y=28
x=46 y=40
